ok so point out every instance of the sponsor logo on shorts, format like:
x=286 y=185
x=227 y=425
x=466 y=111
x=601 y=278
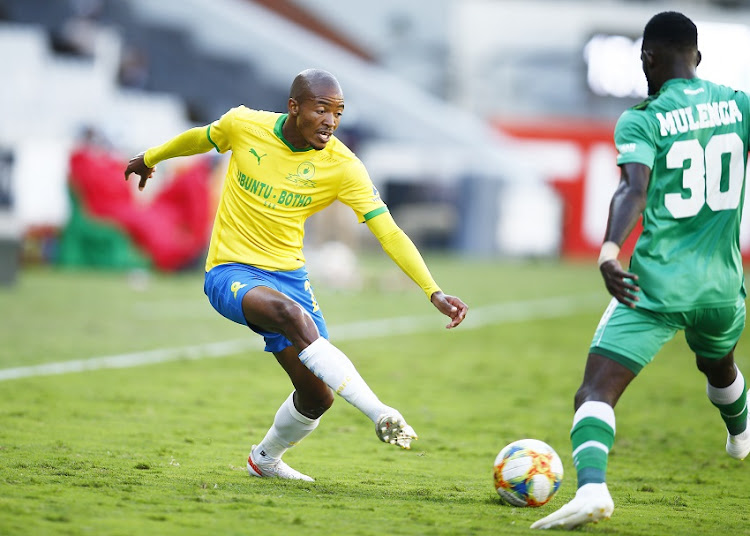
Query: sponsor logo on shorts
x=236 y=285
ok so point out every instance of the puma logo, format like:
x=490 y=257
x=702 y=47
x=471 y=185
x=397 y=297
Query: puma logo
x=256 y=155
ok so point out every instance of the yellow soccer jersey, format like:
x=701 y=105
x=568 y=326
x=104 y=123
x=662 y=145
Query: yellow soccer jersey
x=271 y=188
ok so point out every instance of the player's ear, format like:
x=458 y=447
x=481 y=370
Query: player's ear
x=647 y=57
x=699 y=58
x=293 y=107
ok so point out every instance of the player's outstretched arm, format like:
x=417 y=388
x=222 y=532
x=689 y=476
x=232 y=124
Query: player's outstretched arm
x=190 y=142
x=404 y=253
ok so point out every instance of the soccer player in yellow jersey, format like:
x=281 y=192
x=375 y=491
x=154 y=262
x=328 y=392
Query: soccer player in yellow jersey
x=283 y=168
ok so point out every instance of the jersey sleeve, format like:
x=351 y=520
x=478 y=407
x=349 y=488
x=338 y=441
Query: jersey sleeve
x=403 y=252
x=358 y=192
x=634 y=140
x=188 y=143
x=744 y=99
x=220 y=132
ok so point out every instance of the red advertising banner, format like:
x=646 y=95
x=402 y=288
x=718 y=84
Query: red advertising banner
x=579 y=160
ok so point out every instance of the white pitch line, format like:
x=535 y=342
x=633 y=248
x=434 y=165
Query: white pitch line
x=500 y=313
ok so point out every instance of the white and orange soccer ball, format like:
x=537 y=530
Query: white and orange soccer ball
x=528 y=472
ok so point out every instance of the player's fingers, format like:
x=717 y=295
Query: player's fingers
x=633 y=288
x=456 y=320
x=460 y=306
x=142 y=183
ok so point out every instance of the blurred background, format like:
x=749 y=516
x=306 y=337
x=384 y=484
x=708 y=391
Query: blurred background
x=486 y=124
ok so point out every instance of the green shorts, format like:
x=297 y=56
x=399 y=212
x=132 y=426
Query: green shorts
x=632 y=337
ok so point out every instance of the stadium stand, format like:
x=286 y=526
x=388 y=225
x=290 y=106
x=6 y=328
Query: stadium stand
x=189 y=61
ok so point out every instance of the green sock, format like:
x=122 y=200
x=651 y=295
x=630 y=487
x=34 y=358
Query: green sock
x=592 y=436
x=732 y=403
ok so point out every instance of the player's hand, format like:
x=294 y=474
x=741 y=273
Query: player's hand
x=450 y=306
x=138 y=166
x=616 y=281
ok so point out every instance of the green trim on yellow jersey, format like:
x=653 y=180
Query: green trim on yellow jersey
x=377 y=212
x=208 y=135
x=277 y=130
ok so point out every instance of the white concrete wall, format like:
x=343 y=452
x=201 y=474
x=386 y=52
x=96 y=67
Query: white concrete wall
x=502 y=52
x=45 y=100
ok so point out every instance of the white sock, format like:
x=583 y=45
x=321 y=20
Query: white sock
x=289 y=428
x=732 y=404
x=727 y=395
x=336 y=370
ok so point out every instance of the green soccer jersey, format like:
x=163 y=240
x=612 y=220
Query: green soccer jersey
x=693 y=135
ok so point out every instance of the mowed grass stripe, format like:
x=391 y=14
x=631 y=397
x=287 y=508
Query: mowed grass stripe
x=499 y=313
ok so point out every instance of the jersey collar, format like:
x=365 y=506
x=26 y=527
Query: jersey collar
x=675 y=81
x=280 y=135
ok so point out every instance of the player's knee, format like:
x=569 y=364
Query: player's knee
x=717 y=370
x=292 y=315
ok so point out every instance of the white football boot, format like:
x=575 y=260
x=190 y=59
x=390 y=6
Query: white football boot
x=263 y=466
x=591 y=504
x=392 y=428
x=738 y=446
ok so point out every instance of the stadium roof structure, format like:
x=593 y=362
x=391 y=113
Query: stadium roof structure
x=378 y=101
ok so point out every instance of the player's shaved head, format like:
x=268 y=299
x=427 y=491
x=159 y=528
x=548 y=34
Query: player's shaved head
x=311 y=82
x=669 y=49
x=672 y=29
x=315 y=106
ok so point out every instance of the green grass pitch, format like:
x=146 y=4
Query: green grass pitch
x=161 y=448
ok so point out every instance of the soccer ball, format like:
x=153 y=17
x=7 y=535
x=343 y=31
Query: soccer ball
x=528 y=472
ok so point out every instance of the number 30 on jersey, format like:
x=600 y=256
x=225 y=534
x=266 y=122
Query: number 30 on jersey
x=703 y=176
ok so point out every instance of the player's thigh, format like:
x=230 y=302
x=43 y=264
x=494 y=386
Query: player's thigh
x=631 y=337
x=296 y=286
x=226 y=286
x=713 y=333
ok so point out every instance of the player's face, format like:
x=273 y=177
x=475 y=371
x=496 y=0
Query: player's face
x=318 y=116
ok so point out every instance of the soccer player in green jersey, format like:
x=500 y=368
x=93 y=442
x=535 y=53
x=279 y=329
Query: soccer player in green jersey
x=682 y=155
x=284 y=168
